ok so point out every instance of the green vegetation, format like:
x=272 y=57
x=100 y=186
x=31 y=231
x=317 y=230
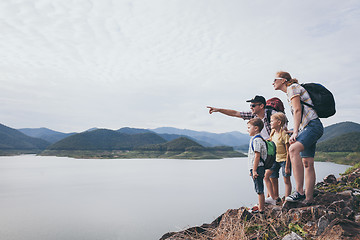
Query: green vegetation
x=104 y=139
x=349 y=142
x=181 y=148
x=346 y=158
x=117 y=154
x=11 y=141
x=343 y=149
x=338 y=129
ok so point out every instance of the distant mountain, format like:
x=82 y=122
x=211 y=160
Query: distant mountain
x=12 y=139
x=46 y=134
x=104 y=139
x=207 y=138
x=166 y=136
x=339 y=129
x=348 y=142
x=128 y=130
x=180 y=144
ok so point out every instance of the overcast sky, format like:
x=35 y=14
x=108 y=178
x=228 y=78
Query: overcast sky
x=70 y=65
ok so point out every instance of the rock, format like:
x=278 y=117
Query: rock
x=275 y=211
x=337 y=205
x=356 y=192
x=352 y=177
x=341 y=229
x=335 y=216
x=346 y=194
x=310 y=227
x=330 y=179
x=305 y=214
x=357 y=218
x=290 y=205
x=322 y=224
x=292 y=236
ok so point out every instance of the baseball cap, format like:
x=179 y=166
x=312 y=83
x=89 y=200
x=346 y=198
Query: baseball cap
x=259 y=99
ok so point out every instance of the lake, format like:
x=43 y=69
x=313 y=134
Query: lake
x=57 y=198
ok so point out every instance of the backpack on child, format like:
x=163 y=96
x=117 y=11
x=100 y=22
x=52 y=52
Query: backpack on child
x=323 y=100
x=273 y=104
x=271 y=152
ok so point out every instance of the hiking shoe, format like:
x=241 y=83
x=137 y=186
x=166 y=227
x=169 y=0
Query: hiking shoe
x=295 y=197
x=255 y=209
x=270 y=201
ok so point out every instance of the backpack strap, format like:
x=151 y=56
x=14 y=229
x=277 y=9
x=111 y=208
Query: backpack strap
x=252 y=145
x=268 y=112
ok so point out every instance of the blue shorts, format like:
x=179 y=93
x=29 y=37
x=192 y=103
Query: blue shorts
x=276 y=167
x=309 y=136
x=259 y=181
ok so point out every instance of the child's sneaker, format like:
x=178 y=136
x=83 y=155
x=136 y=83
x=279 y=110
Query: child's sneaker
x=255 y=209
x=270 y=201
x=295 y=197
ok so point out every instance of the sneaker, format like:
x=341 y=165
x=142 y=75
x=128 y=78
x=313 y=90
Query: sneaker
x=295 y=197
x=270 y=201
x=255 y=209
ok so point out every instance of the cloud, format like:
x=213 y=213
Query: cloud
x=72 y=65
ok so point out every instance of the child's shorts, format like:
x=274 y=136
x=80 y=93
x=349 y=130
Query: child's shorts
x=309 y=136
x=259 y=181
x=276 y=167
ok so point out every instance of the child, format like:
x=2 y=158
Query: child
x=281 y=139
x=257 y=149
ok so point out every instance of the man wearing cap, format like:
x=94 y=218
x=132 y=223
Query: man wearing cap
x=257 y=107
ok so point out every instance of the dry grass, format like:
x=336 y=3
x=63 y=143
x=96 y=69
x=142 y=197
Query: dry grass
x=235 y=227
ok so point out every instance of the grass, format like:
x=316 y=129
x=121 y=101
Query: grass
x=142 y=154
x=233 y=228
x=345 y=158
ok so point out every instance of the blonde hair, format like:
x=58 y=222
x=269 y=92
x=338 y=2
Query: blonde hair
x=288 y=78
x=256 y=122
x=281 y=117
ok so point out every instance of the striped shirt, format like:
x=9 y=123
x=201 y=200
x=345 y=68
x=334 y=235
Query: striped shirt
x=256 y=145
x=308 y=113
x=265 y=132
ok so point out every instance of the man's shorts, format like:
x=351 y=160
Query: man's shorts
x=309 y=136
x=259 y=181
x=276 y=167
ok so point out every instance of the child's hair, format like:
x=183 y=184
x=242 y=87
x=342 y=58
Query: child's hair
x=257 y=122
x=281 y=117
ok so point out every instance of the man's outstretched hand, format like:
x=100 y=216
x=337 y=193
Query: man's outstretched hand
x=212 y=109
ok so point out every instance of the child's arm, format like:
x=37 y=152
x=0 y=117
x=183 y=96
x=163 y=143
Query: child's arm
x=256 y=163
x=287 y=164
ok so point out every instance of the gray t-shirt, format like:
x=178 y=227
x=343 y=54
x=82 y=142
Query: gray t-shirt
x=259 y=146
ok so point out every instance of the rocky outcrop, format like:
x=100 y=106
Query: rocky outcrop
x=334 y=214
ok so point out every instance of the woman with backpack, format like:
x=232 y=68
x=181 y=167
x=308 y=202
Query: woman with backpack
x=307 y=130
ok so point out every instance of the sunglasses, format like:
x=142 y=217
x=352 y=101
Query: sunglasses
x=254 y=105
x=278 y=79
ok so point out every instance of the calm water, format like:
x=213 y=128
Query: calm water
x=66 y=199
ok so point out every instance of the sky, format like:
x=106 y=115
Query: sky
x=71 y=65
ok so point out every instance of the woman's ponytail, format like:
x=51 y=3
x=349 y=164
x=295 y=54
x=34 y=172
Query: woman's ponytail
x=288 y=78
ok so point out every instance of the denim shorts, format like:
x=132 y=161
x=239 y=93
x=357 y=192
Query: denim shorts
x=259 y=181
x=276 y=167
x=309 y=136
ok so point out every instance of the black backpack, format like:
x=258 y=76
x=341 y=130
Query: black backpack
x=323 y=100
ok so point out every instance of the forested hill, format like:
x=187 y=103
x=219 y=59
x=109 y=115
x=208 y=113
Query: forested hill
x=179 y=144
x=339 y=129
x=12 y=139
x=349 y=142
x=104 y=139
x=48 y=135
